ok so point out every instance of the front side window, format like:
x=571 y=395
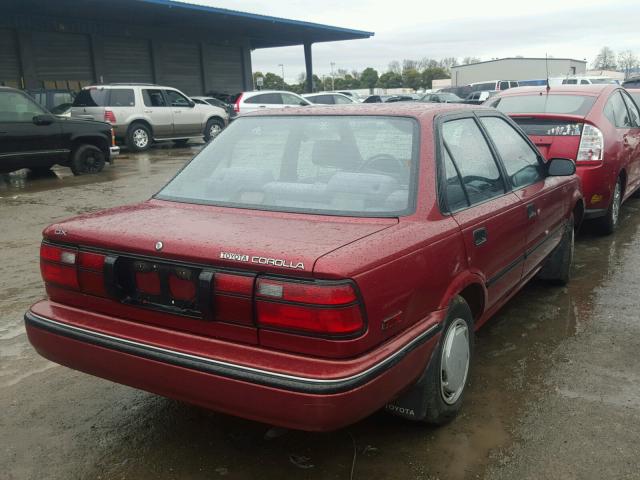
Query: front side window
x=153 y=98
x=176 y=99
x=337 y=165
x=340 y=100
x=17 y=107
x=633 y=110
x=519 y=159
x=322 y=99
x=474 y=160
x=289 y=99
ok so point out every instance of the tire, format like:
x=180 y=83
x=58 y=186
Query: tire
x=557 y=267
x=181 y=143
x=447 y=378
x=86 y=159
x=212 y=129
x=608 y=224
x=138 y=138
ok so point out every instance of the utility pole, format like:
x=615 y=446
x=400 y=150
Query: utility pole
x=333 y=79
x=281 y=65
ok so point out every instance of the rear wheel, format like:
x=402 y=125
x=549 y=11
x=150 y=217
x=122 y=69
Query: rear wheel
x=213 y=128
x=608 y=224
x=138 y=137
x=87 y=159
x=557 y=267
x=448 y=373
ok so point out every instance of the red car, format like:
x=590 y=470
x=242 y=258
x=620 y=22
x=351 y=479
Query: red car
x=309 y=267
x=598 y=126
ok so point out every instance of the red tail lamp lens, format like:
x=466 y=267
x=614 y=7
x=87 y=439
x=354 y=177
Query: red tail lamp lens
x=67 y=267
x=60 y=274
x=229 y=283
x=182 y=289
x=334 y=321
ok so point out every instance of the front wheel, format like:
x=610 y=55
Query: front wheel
x=87 y=159
x=212 y=129
x=608 y=224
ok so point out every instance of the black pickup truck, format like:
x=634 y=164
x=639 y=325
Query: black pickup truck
x=31 y=137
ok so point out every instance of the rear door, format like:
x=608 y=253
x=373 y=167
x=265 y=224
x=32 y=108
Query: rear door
x=158 y=111
x=260 y=101
x=490 y=217
x=187 y=120
x=632 y=143
x=543 y=198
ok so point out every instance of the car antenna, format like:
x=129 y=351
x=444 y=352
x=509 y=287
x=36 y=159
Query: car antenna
x=546 y=63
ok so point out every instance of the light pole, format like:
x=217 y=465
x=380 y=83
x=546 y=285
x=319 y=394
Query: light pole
x=333 y=80
x=281 y=65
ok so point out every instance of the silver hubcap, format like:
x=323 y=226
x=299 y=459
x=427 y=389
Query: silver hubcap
x=214 y=131
x=454 y=365
x=615 y=207
x=140 y=138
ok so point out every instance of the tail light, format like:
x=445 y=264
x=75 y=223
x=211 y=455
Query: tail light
x=591 y=145
x=113 y=136
x=326 y=309
x=236 y=105
x=232 y=300
x=109 y=116
x=68 y=267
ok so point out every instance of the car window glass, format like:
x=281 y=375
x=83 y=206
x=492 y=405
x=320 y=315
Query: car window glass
x=61 y=97
x=633 y=110
x=289 y=99
x=584 y=82
x=504 y=85
x=513 y=84
x=91 y=97
x=265 y=98
x=176 y=99
x=471 y=154
x=153 y=98
x=121 y=97
x=616 y=111
x=16 y=107
x=455 y=196
x=322 y=99
x=519 y=159
x=553 y=103
x=341 y=100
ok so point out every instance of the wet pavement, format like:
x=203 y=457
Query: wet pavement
x=555 y=389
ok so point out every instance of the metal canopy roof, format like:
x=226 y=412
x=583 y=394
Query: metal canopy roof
x=261 y=30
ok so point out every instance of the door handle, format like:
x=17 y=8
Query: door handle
x=148 y=111
x=531 y=210
x=480 y=236
x=262 y=106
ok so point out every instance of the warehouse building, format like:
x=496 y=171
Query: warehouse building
x=517 y=68
x=197 y=49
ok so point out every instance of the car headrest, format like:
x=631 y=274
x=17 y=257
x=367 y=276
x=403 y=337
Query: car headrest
x=335 y=153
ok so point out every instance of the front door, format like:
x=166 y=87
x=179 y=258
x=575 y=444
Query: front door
x=544 y=198
x=489 y=215
x=632 y=143
x=187 y=120
x=23 y=142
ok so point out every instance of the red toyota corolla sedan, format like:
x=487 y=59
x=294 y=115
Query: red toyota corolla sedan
x=598 y=126
x=308 y=268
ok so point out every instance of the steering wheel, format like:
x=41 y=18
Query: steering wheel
x=382 y=163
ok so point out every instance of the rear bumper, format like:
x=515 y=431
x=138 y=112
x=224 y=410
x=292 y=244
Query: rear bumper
x=114 y=151
x=597 y=185
x=594 y=213
x=290 y=400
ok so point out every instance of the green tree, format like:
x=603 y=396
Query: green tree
x=369 y=78
x=411 y=78
x=273 y=82
x=434 y=73
x=390 y=80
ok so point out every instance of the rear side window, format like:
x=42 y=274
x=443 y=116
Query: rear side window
x=616 y=111
x=91 y=97
x=341 y=100
x=519 y=159
x=536 y=103
x=265 y=98
x=121 y=97
x=473 y=158
x=153 y=98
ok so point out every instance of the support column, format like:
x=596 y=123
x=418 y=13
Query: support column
x=308 y=67
x=27 y=64
x=97 y=56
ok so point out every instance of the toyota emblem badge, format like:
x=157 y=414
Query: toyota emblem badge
x=159 y=246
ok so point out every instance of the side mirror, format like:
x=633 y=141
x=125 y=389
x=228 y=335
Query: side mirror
x=560 y=167
x=43 y=119
x=192 y=104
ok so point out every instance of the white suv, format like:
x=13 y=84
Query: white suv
x=251 y=101
x=143 y=113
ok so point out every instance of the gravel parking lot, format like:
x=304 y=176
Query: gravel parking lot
x=555 y=389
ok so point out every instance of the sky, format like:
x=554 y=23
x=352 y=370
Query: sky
x=406 y=29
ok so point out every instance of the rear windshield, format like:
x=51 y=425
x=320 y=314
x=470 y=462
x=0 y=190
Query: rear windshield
x=93 y=97
x=336 y=165
x=537 y=103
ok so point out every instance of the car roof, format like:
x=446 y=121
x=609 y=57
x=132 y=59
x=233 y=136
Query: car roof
x=253 y=92
x=422 y=111
x=324 y=93
x=594 y=90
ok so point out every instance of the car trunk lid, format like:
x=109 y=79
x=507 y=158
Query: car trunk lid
x=556 y=136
